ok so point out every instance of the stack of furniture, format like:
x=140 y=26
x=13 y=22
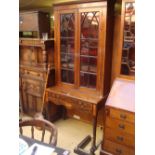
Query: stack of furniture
x=119 y=125
x=36 y=62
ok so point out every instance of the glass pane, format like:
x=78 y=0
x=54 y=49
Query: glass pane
x=88 y=64
x=67 y=61
x=92 y=65
x=67 y=76
x=128 y=52
x=67 y=25
x=84 y=64
x=67 y=47
x=92 y=81
x=64 y=75
x=89 y=48
x=71 y=61
x=88 y=80
x=64 y=61
x=89 y=24
x=70 y=77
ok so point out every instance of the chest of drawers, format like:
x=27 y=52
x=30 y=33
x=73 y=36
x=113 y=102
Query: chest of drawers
x=119 y=125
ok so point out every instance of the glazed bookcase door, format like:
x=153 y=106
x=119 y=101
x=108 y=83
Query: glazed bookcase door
x=89 y=55
x=66 y=50
x=80 y=47
x=128 y=49
x=67 y=47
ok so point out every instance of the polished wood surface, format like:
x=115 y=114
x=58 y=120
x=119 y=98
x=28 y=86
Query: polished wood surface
x=122 y=95
x=119 y=123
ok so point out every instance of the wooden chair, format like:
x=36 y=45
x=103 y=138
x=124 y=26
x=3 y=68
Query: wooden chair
x=43 y=125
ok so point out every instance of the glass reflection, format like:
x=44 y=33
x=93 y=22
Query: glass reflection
x=128 y=51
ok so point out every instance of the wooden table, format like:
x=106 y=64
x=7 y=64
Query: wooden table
x=30 y=141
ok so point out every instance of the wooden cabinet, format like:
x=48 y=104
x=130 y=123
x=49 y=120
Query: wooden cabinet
x=124 y=40
x=36 y=72
x=82 y=54
x=34 y=23
x=119 y=125
x=83 y=36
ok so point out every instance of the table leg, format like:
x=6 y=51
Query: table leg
x=93 y=147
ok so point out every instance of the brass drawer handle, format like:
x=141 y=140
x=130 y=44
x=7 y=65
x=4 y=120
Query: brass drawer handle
x=120 y=138
x=121 y=126
x=123 y=116
x=119 y=151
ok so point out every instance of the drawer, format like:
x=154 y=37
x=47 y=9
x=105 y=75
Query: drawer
x=32 y=74
x=117 y=149
x=53 y=99
x=120 y=125
x=28 y=22
x=53 y=95
x=84 y=106
x=120 y=137
x=68 y=99
x=70 y=103
x=122 y=115
x=59 y=100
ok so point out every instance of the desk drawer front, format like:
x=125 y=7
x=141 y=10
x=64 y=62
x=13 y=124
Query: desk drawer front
x=84 y=106
x=120 y=137
x=117 y=149
x=120 y=125
x=70 y=103
x=60 y=100
x=54 y=100
x=122 y=115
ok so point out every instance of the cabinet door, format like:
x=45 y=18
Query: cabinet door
x=32 y=92
x=66 y=46
x=128 y=49
x=92 y=25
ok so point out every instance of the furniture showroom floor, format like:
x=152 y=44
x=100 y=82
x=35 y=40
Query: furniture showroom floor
x=71 y=132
